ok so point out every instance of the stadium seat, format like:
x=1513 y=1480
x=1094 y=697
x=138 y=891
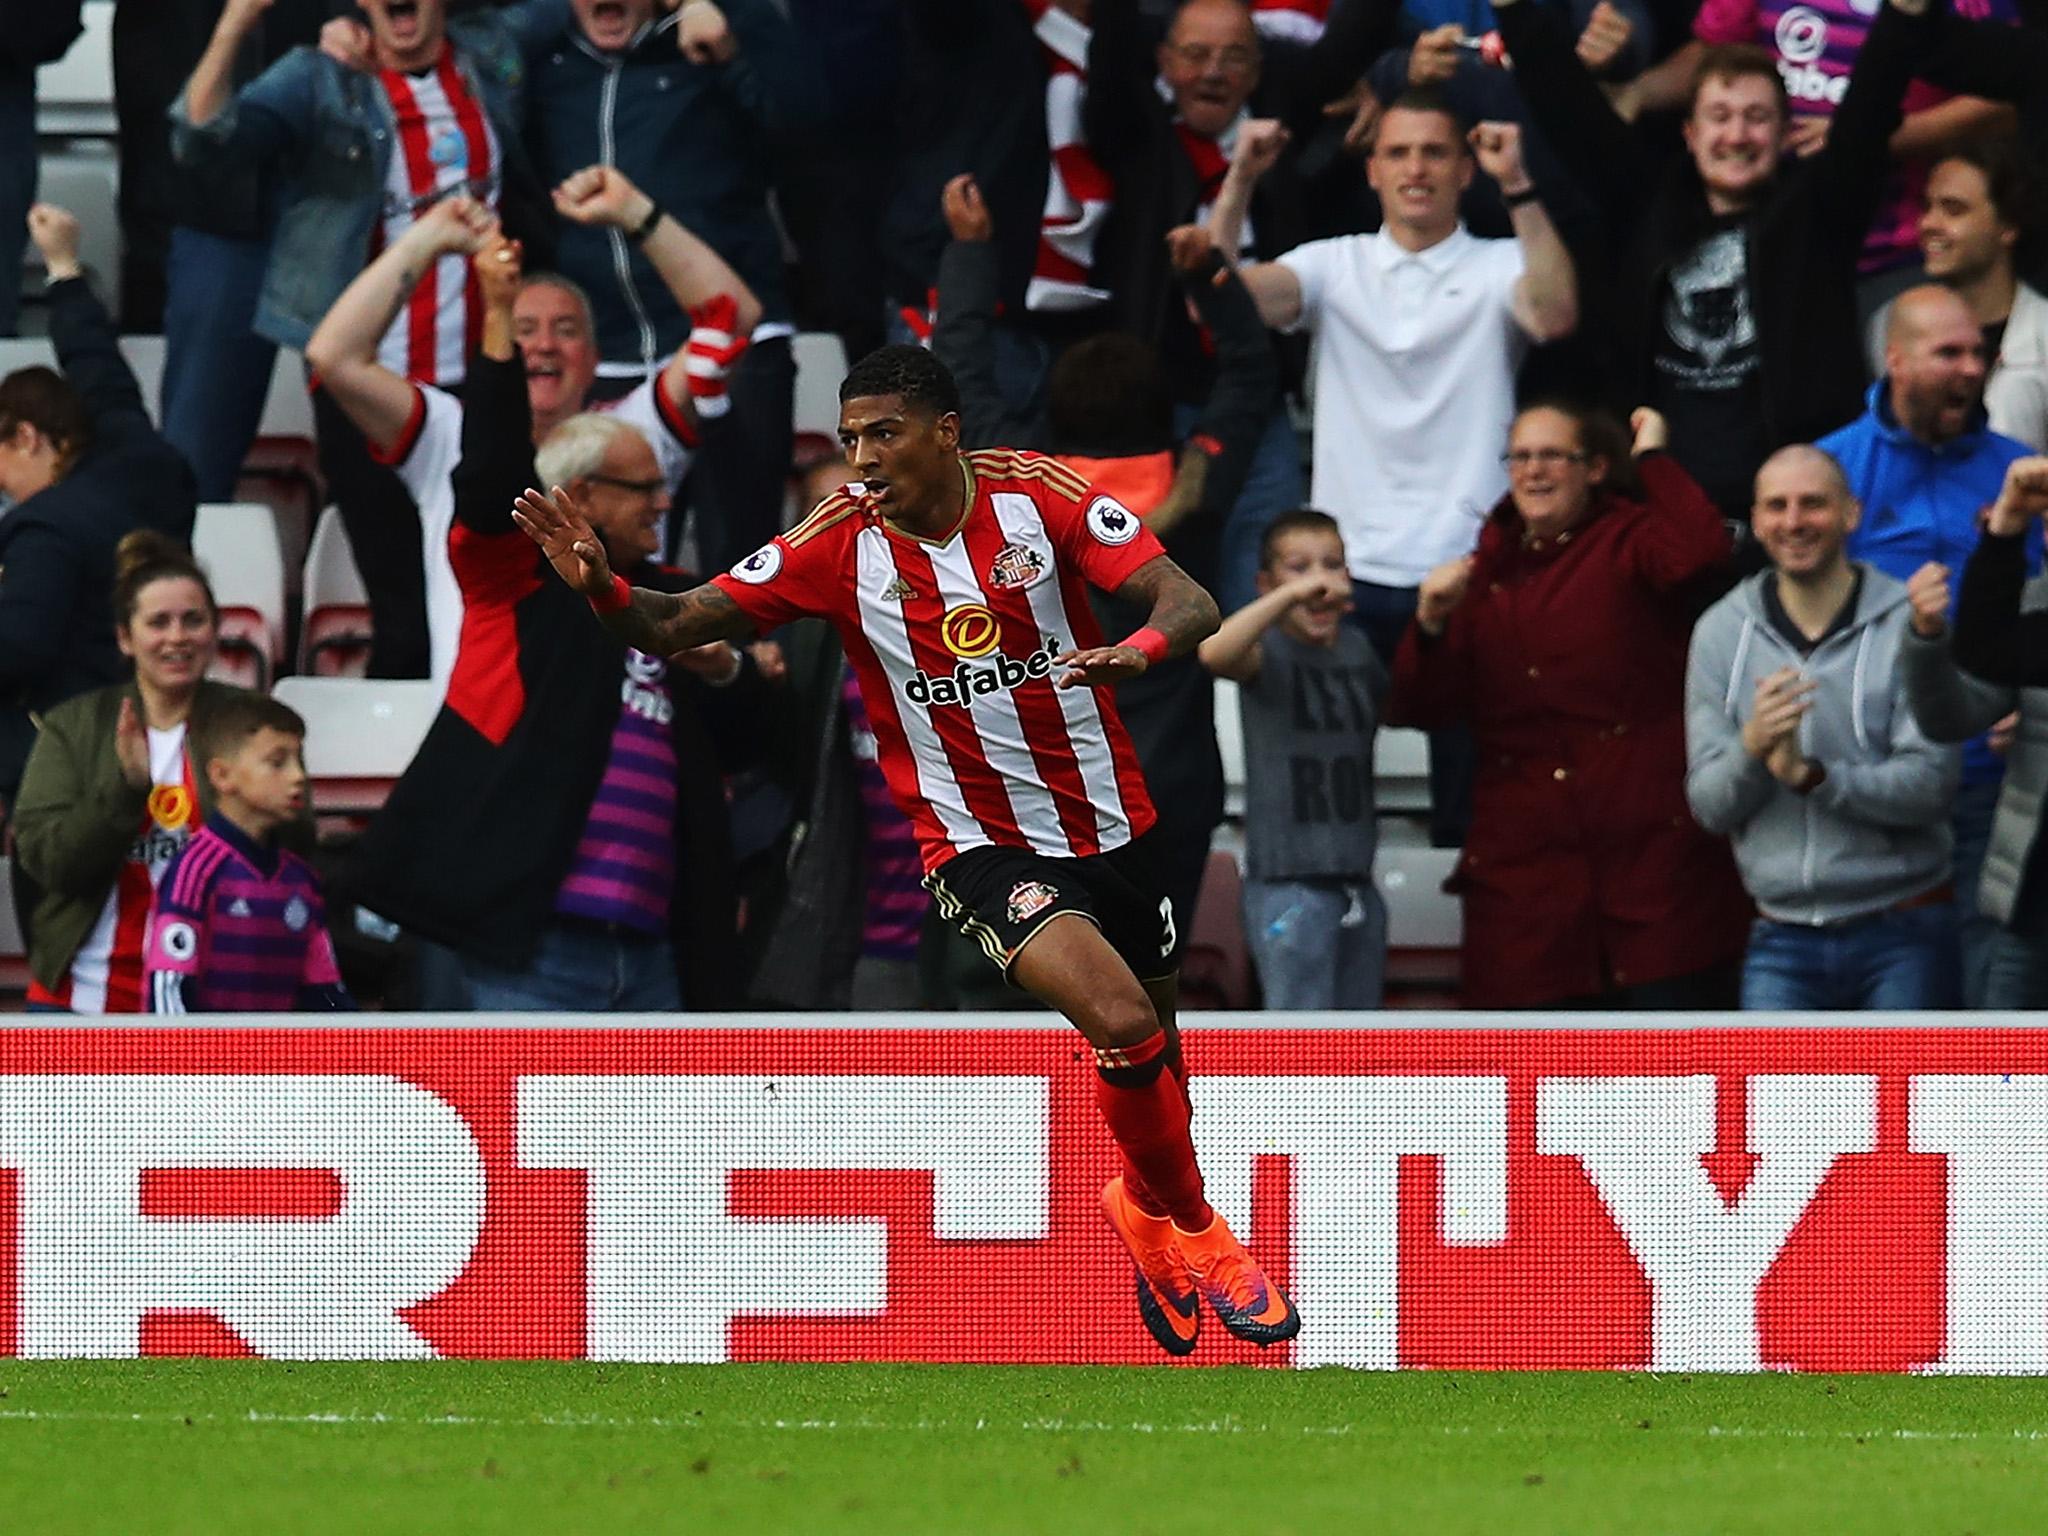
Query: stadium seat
x=820 y=365
x=13 y=952
x=361 y=734
x=144 y=354
x=1400 y=770
x=288 y=407
x=236 y=544
x=334 y=640
x=1230 y=743
x=85 y=179
x=1425 y=925
x=1216 y=967
x=75 y=95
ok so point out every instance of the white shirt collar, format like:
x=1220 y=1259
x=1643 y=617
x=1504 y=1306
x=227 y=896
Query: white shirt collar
x=1435 y=259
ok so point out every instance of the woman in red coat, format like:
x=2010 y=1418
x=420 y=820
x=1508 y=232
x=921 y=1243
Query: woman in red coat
x=1561 y=641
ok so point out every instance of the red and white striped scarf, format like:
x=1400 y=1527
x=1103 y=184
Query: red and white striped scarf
x=1077 y=189
x=1211 y=160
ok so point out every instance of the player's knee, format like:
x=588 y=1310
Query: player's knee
x=1125 y=1022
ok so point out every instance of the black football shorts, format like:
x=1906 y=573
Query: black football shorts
x=1000 y=897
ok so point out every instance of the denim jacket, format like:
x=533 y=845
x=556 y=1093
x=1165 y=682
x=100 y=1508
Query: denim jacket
x=331 y=128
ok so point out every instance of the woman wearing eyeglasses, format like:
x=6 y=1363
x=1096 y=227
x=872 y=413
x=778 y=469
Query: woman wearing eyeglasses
x=1561 y=642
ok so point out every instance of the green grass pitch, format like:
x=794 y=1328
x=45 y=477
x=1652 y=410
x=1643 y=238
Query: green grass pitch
x=217 y=1446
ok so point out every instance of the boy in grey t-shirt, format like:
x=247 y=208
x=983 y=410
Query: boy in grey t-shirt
x=1311 y=687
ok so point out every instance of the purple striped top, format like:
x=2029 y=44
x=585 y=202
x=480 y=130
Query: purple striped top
x=624 y=867
x=896 y=894
x=237 y=928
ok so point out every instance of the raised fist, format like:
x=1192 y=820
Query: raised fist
x=1434 y=57
x=55 y=232
x=1498 y=148
x=1607 y=33
x=967 y=215
x=500 y=268
x=1441 y=592
x=1260 y=143
x=1928 y=591
x=601 y=194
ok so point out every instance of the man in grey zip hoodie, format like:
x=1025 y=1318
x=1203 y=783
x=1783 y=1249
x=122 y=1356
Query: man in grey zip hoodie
x=1802 y=750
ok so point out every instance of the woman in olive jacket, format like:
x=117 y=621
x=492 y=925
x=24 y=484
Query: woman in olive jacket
x=110 y=792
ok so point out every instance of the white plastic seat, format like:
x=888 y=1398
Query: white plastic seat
x=334 y=639
x=13 y=951
x=361 y=734
x=820 y=368
x=1400 y=770
x=1230 y=744
x=144 y=355
x=237 y=546
x=75 y=94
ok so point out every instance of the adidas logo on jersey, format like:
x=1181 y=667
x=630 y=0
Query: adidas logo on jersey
x=967 y=682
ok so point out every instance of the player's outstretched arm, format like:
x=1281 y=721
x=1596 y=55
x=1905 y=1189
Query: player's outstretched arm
x=1182 y=616
x=659 y=623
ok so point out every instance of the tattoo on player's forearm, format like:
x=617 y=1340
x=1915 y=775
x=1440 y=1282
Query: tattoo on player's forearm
x=664 y=623
x=1180 y=609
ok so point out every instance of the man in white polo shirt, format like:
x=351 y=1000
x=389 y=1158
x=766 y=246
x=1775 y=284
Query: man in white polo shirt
x=1419 y=330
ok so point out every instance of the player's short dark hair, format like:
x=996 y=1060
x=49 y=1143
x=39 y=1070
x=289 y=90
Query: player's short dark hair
x=2014 y=188
x=144 y=556
x=1427 y=98
x=1737 y=61
x=911 y=372
x=1106 y=397
x=45 y=399
x=228 y=722
x=1301 y=520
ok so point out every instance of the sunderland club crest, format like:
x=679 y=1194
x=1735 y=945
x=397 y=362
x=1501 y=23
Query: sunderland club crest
x=1015 y=566
x=1028 y=898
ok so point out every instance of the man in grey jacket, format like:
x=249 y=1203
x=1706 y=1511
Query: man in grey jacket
x=1802 y=750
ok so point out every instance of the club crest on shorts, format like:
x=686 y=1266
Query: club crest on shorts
x=764 y=564
x=1028 y=898
x=1015 y=566
x=1111 y=521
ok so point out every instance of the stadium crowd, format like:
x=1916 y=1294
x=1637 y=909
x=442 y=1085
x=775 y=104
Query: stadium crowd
x=1648 y=401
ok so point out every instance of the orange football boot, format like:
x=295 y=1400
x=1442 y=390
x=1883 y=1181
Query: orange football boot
x=1166 y=1291
x=1237 y=1290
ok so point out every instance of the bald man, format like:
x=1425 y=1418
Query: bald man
x=1801 y=750
x=1924 y=462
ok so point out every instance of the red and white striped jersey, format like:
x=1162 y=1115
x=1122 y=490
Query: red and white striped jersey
x=444 y=144
x=953 y=641
x=106 y=973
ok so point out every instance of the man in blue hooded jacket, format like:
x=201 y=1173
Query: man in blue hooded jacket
x=1924 y=462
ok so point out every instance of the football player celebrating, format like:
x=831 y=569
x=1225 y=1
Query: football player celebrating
x=955 y=583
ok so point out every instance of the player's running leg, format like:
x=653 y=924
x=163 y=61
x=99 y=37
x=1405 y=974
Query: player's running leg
x=1244 y=1300
x=1071 y=967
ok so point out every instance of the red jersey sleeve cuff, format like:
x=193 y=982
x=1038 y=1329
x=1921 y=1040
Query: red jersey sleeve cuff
x=408 y=435
x=673 y=416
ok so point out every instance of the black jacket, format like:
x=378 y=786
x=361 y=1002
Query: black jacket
x=1803 y=236
x=972 y=99
x=1130 y=131
x=476 y=838
x=57 y=547
x=697 y=138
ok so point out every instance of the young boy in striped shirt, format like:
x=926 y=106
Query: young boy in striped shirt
x=239 y=925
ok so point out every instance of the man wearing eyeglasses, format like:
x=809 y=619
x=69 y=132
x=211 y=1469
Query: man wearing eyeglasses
x=562 y=829
x=418 y=429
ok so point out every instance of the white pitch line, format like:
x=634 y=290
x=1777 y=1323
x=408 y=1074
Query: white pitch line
x=1029 y=1426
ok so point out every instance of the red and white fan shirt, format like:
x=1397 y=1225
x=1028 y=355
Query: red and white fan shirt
x=445 y=144
x=106 y=973
x=953 y=641
x=427 y=451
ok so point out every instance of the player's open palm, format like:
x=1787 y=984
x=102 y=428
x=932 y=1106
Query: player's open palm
x=556 y=523
x=1101 y=666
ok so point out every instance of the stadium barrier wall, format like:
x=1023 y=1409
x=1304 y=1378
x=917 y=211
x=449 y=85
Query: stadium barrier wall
x=1711 y=1196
